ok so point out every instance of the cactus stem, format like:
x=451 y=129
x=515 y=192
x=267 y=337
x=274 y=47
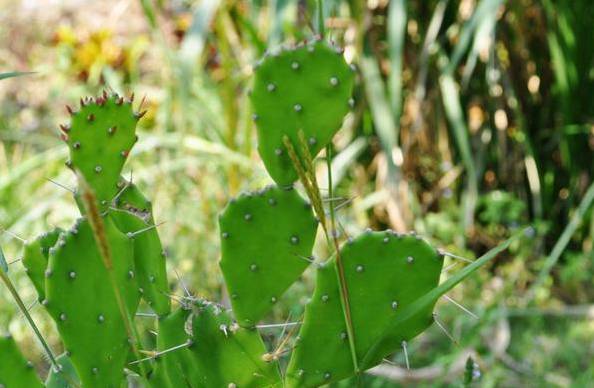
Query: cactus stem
x=467 y=311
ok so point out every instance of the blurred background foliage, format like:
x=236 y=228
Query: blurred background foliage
x=473 y=118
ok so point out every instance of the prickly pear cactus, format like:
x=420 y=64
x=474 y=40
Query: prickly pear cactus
x=305 y=88
x=384 y=273
x=35 y=259
x=135 y=219
x=100 y=137
x=15 y=371
x=63 y=377
x=216 y=352
x=266 y=239
x=80 y=298
x=175 y=368
x=228 y=355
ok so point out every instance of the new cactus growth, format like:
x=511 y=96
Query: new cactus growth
x=266 y=239
x=100 y=136
x=371 y=295
x=307 y=88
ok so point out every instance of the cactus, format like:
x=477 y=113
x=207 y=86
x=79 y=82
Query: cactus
x=80 y=299
x=136 y=220
x=385 y=272
x=15 y=371
x=216 y=351
x=100 y=137
x=63 y=377
x=35 y=259
x=371 y=295
x=266 y=239
x=306 y=88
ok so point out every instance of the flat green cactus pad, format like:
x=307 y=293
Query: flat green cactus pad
x=266 y=239
x=15 y=371
x=66 y=377
x=134 y=216
x=35 y=258
x=384 y=273
x=100 y=137
x=322 y=352
x=228 y=355
x=175 y=368
x=307 y=88
x=80 y=298
x=204 y=347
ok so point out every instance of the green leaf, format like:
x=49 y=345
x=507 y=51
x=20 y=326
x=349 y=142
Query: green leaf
x=14 y=74
x=3 y=264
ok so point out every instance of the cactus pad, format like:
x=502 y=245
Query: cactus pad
x=173 y=369
x=323 y=333
x=307 y=88
x=220 y=353
x=384 y=273
x=266 y=239
x=135 y=215
x=15 y=371
x=35 y=259
x=66 y=377
x=228 y=355
x=80 y=298
x=100 y=137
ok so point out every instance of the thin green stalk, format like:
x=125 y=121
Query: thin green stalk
x=19 y=302
x=344 y=291
x=560 y=245
x=321 y=28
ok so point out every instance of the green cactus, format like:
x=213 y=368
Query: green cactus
x=35 y=259
x=15 y=371
x=371 y=295
x=266 y=239
x=65 y=376
x=384 y=273
x=136 y=220
x=226 y=354
x=201 y=344
x=100 y=137
x=81 y=300
x=306 y=88
x=175 y=368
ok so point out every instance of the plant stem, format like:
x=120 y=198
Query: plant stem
x=321 y=29
x=344 y=291
x=25 y=312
